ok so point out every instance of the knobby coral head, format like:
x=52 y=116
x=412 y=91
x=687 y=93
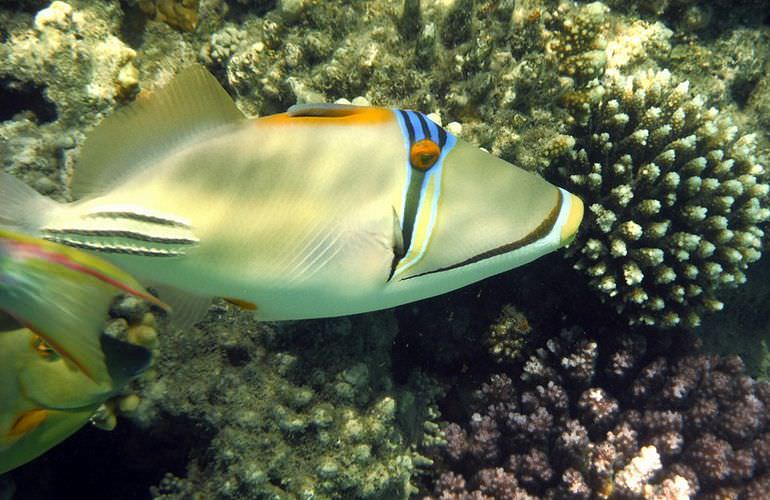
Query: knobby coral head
x=676 y=197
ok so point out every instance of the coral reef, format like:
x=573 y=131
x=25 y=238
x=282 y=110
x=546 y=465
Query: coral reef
x=509 y=335
x=72 y=59
x=286 y=411
x=575 y=40
x=226 y=400
x=610 y=416
x=182 y=14
x=675 y=194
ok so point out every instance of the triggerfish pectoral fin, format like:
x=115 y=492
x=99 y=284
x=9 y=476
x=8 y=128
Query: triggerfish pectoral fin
x=63 y=295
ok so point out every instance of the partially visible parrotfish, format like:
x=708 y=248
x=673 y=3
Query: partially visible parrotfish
x=321 y=211
x=56 y=364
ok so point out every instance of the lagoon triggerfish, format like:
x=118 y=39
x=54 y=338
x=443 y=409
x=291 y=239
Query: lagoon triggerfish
x=321 y=211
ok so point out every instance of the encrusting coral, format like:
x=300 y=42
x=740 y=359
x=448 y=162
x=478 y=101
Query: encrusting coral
x=182 y=14
x=509 y=335
x=73 y=60
x=287 y=413
x=611 y=416
x=675 y=197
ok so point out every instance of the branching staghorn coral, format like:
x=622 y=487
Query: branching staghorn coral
x=611 y=416
x=675 y=197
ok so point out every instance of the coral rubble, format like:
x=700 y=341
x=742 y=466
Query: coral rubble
x=595 y=417
x=675 y=193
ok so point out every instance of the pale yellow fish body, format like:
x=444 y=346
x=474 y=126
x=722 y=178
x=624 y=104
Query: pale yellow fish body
x=327 y=246
x=319 y=212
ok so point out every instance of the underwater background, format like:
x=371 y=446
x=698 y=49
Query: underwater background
x=630 y=365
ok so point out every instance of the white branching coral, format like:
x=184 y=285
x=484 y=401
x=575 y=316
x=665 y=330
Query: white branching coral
x=675 y=197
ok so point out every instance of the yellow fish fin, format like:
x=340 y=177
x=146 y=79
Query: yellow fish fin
x=242 y=304
x=191 y=104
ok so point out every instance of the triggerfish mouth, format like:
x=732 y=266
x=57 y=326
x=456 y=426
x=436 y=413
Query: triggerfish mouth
x=56 y=364
x=324 y=210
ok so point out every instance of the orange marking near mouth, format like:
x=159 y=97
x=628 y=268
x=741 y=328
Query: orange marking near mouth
x=27 y=422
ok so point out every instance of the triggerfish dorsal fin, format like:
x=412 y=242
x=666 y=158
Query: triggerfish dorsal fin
x=131 y=138
x=63 y=295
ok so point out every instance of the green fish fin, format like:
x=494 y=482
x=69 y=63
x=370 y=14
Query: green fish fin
x=56 y=384
x=58 y=426
x=59 y=385
x=63 y=295
x=191 y=104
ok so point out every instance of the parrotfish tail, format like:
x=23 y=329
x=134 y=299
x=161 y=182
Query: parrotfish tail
x=21 y=206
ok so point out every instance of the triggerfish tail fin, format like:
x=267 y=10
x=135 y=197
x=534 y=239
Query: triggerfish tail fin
x=192 y=104
x=63 y=295
x=46 y=427
x=20 y=205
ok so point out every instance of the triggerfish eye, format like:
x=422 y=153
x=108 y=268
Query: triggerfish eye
x=423 y=154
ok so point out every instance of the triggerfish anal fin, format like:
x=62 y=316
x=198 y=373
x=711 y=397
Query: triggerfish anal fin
x=128 y=140
x=63 y=295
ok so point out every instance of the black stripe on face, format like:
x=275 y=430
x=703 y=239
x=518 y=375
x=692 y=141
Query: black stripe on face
x=539 y=232
x=441 y=138
x=410 y=216
x=408 y=124
x=424 y=125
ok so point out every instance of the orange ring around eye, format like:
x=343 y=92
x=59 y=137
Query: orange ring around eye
x=424 y=154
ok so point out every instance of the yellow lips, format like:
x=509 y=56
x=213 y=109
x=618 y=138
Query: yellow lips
x=571 y=225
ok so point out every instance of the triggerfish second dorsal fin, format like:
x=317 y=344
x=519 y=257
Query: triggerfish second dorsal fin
x=63 y=295
x=129 y=139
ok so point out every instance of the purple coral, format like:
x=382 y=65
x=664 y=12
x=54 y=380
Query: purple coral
x=612 y=417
